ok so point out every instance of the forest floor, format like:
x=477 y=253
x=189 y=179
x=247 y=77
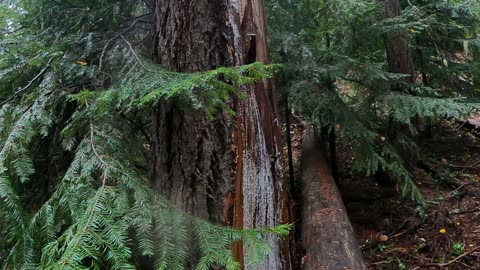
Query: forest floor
x=394 y=232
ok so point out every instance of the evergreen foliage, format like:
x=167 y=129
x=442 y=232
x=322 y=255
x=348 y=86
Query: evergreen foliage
x=336 y=71
x=75 y=98
x=76 y=89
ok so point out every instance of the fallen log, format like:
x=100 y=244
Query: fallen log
x=328 y=237
x=471 y=124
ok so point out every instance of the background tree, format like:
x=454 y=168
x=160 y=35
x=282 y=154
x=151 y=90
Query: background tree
x=367 y=70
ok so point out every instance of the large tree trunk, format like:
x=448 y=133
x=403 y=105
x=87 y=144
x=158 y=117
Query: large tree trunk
x=229 y=170
x=328 y=237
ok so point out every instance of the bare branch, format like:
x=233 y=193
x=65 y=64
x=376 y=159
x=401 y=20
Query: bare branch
x=29 y=83
x=112 y=39
x=135 y=54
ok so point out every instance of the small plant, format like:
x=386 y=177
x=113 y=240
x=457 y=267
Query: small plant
x=458 y=249
x=401 y=265
x=382 y=247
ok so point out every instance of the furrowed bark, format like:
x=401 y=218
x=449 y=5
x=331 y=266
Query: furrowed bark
x=192 y=163
x=228 y=170
x=328 y=237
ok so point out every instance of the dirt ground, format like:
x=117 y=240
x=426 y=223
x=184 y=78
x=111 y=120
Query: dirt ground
x=396 y=233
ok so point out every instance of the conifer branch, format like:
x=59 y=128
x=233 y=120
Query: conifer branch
x=79 y=236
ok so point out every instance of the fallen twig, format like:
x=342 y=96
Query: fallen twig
x=413 y=228
x=378 y=263
x=464 y=212
x=453 y=192
x=452 y=261
x=473 y=165
x=455 y=166
x=395 y=233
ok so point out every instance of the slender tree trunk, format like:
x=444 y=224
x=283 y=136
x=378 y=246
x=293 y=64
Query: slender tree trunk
x=329 y=130
x=399 y=54
x=229 y=170
x=476 y=49
x=400 y=60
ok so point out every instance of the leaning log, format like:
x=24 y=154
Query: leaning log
x=471 y=124
x=328 y=236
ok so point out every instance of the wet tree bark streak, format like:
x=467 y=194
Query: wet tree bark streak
x=263 y=190
x=327 y=233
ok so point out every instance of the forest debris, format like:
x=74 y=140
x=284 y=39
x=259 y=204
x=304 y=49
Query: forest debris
x=383 y=238
x=452 y=261
x=458 y=212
